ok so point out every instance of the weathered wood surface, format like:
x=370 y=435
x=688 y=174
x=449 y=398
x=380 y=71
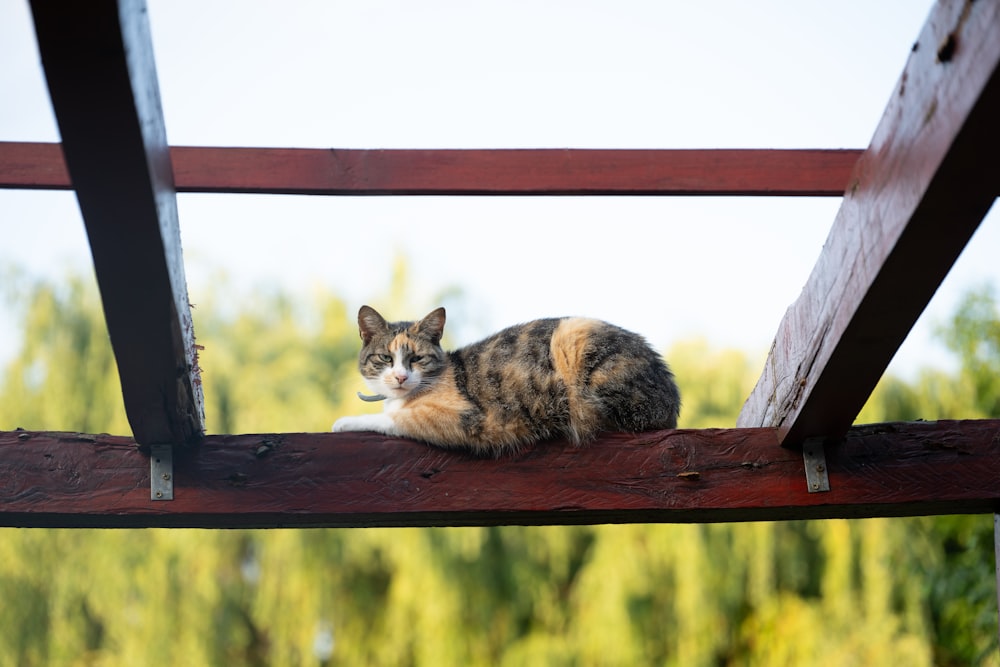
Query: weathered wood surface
x=470 y=172
x=915 y=198
x=98 y=60
x=355 y=480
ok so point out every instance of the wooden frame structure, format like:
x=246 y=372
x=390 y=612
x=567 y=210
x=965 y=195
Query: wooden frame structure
x=911 y=201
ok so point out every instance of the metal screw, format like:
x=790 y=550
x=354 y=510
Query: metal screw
x=820 y=468
x=166 y=476
x=159 y=494
x=815 y=485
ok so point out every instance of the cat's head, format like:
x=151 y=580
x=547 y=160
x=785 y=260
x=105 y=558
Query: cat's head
x=398 y=358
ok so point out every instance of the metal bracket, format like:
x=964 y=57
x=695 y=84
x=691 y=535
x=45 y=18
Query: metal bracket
x=814 y=457
x=161 y=472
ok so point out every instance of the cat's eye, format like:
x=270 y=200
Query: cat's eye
x=385 y=358
x=416 y=359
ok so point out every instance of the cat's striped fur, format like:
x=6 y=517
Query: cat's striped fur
x=561 y=377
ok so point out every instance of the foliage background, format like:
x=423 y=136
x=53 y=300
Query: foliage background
x=916 y=591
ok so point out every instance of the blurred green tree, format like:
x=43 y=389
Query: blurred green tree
x=64 y=376
x=917 y=591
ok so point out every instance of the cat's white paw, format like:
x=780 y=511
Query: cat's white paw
x=343 y=425
x=379 y=423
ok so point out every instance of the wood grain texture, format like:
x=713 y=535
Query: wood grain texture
x=470 y=172
x=98 y=61
x=915 y=198
x=356 y=480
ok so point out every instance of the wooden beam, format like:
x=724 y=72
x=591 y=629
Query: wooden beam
x=996 y=560
x=812 y=173
x=98 y=61
x=29 y=165
x=915 y=198
x=355 y=480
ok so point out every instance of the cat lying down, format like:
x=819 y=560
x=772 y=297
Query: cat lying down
x=561 y=377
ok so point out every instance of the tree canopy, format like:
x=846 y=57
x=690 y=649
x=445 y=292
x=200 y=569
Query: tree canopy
x=916 y=591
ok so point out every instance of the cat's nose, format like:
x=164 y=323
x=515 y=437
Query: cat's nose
x=401 y=377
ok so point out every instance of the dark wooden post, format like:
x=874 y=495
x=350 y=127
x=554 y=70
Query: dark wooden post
x=916 y=196
x=98 y=60
x=996 y=563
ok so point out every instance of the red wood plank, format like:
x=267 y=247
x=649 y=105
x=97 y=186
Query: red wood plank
x=34 y=166
x=354 y=480
x=915 y=198
x=518 y=172
x=471 y=172
x=98 y=60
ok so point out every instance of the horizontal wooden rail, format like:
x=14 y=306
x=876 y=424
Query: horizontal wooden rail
x=355 y=480
x=763 y=172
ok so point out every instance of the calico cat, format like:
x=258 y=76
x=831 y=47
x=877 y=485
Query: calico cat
x=561 y=377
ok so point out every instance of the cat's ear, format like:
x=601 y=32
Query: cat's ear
x=370 y=323
x=432 y=325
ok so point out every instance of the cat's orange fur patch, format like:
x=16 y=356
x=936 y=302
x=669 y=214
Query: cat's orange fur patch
x=436 y=413
x=401 y=340
x=569 y=345
x=614 y=369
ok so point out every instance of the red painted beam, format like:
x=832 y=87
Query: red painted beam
x=915 y=198
x=470 y=172
x=356 y=480
x=33 y=166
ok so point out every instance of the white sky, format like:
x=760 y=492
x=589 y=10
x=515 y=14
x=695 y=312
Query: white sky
x=511 y=74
